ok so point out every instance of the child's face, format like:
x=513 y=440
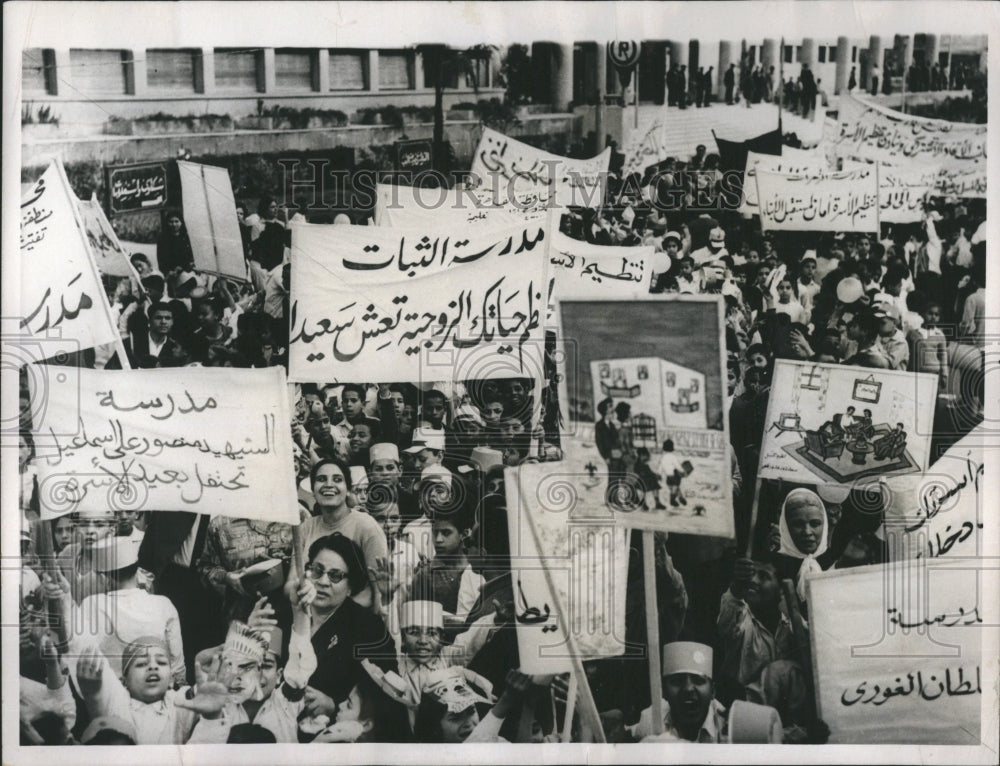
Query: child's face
x=805 y=525
x=389 y=518
x=785 y=291
x=385 y=470
x=352 y=404
x=932 y=315
x=456 y=727
x=360 y=438
x=808 y=271
x=93 y=527
x=421 y=644
x=433 y=411
x=270 y=674
x=763 y=589
x=448 y=539
x=63 y=533
x=686 y=268
x=758 y=360
x=492 y=413
x=148 y=676
x=731 y=381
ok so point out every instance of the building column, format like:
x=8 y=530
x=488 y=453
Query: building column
x=767 y=53
x=62 y=81
x=562 y=76
x=907 y=47
x=136 y=81
x=372 y=71
x=269 y=71
x=725 y=59
x=323 y=70
x=206 y=78
x=843 y=65
x=930 y=49
x=872 y=60
x=809 y=52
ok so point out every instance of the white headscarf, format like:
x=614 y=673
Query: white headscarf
x=788 y=548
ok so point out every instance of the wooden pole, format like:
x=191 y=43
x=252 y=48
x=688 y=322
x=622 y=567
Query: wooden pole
x=571 y=694
x=652 y=629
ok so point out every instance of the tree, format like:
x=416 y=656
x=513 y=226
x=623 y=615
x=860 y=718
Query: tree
x=443 y=67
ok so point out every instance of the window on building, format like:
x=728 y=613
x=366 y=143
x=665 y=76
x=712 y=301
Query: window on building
x=831 y=54
x=854 y=54
x=171 y=70
x=798 y=53
x=294 y=69
x=238 y=70
x=752 y=55
x=394 y=70
x=787 y=54
x=821 y=54
x=100 y=72
x=38 y=72
x=348 y=70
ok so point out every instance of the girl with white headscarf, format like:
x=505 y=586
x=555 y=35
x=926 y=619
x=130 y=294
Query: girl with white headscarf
x=804 y=531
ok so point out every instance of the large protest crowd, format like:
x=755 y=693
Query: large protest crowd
x=170 y=627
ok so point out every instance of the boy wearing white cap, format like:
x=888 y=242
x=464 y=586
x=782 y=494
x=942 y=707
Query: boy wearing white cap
x=434 y=486
x=690 y=710
x=422 y=653
x=126 y=612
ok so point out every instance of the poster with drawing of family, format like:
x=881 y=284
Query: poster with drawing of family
x=841 y=424
x=643 y=432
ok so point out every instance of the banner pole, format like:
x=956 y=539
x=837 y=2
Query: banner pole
x=652 y=629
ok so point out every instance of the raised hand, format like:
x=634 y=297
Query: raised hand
x=317 y=703
x=209 y=699
x=90 y=672
x=262 y=616
x=381 y=576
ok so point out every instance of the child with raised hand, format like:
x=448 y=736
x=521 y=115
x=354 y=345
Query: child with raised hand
x=261 y=690
x=449 y=709
x=422 y=651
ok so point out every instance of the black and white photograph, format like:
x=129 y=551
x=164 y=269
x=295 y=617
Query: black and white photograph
x=470 y=382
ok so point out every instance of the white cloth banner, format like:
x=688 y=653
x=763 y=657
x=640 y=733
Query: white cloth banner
x=501 y=162
x=210 y=218
x=61 y=292
x=582 y=271
x=902 y=190
x=110 y=256
x=873 y=132
x=940 y=512
x=962 y=182
x=471 y=322
x=645 y=149
x=897 y=654
x=383 y=254
x=843 y=201
x=408 y=206
x=808 y=165
x=189 y=439
x=586 y=566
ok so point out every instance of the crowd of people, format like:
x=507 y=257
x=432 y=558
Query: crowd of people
x=168 y=627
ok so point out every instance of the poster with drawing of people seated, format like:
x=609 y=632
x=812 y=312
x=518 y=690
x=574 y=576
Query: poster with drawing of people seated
x=842 y=424
x=643 y=434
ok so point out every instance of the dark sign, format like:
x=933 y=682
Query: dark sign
x=136 y=187
x=415 y=156
x=624 y=54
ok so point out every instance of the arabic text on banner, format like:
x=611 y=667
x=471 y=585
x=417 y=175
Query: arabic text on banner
x=873 y=132
x=898 y=663
x=582 y=271
x=902 y=190
x=210 y=218
x=458 y=322
x=501 y=161
x=110 y=256
x=845 y=201
x=190 y=439
x=645 y=149
x=407 y=206
x=60 y=289
x=940 y=512
x=810 y=165
x=382 y=254
x=842 y=424
x=588 y=567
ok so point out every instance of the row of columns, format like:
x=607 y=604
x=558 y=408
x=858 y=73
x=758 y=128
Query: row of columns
x=686 y=52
